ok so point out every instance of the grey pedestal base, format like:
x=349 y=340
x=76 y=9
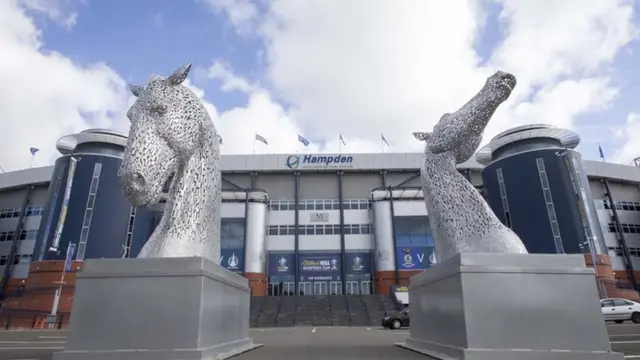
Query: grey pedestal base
x=158 y=309
x=508 y=306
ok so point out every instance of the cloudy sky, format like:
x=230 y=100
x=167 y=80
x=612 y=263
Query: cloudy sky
x=280 y=68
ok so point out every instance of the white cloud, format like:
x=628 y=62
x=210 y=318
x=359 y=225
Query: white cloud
x=44 y=95
x=365 y=67
x=241 y=13
x=261 y=115
x=59 y=11
x=358 y=67
x=230 y=82
x=627 y=136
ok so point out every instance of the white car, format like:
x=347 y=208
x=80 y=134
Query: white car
x=620 y=310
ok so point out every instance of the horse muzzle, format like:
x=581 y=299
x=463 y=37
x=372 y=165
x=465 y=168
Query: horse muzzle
x=135 y=187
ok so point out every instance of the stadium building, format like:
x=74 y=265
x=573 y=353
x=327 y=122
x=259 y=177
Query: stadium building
x=318 y=224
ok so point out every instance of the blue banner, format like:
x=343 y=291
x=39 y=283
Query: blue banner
x=232 y=259
x=414 y=258
x=65 y=205
x=281 y=264
x=358 y=263
x=319 y=267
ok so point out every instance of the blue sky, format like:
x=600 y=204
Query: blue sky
x=138 y=38
x=360 y=68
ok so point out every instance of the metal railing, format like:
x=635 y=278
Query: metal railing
x=34 y=320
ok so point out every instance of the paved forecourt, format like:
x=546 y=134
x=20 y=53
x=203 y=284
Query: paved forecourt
x=298 y=343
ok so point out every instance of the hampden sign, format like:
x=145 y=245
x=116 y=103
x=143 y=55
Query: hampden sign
x=318 y=161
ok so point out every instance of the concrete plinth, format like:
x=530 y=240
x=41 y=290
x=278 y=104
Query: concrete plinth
x=158 y=309
x=508 y=306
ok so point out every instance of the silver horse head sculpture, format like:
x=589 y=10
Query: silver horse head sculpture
x=460 y=218
x=171 y=133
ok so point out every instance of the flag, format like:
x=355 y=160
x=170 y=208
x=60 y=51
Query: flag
x=261 y=139
x=384 y=140
x=220 y=139
x=342 y=140
x=68 y=261
x=303 y=140
x=33 y=151
x=601 y=152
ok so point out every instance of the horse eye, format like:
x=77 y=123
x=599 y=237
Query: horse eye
x=159 y=109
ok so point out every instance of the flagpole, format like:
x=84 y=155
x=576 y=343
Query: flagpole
x=31 y=161
x=340 y=144
x=254 y=143
x=382 y=145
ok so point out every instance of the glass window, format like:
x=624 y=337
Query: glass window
x=328 y=230
x=413 y=231
x=232 y=233
x=619 y=302
x=606 y=303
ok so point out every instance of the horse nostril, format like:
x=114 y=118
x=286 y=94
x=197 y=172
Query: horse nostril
x=138 y=181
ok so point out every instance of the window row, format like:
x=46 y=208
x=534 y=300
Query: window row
x=15 y=212
x=324 y=229
x=24 y=235
x=620 y=205
x=289 y=205
x=17 y=259
x=626 y=228
x=632 y=251
x=232 y=233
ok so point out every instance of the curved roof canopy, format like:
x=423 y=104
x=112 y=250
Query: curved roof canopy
x=68 y=143
x=568 y=139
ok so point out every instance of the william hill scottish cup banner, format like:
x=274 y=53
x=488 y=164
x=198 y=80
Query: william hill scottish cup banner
x=415 y=258
x=282 y=264
x=319 y=267
x=232 y=259
x=358 y=263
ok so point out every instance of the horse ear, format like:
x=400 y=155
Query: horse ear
x=136 y=90
x=422 y=136
x=179 y=75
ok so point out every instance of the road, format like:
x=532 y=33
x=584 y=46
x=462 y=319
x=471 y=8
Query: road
x=295 y=343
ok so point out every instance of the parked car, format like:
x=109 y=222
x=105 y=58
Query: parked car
x=401 y=319
x=620 y=310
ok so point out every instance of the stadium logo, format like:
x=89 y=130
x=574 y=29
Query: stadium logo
x=233 y=262
x=312 y=161
x=293 y=161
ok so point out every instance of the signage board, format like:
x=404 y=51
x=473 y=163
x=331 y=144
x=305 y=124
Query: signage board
x=399 y=288
x=309 y=161
x=281 y=264
x=401 y=293
x=319 y=217
x=232 y=259
x=319 y=267
x=414 y=258
x=358 y=263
